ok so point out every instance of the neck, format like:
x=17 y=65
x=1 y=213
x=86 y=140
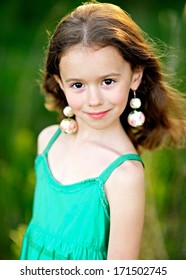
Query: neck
x=86 y=132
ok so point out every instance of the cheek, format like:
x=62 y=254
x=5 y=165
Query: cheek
x=74 y=102
x=120 y=98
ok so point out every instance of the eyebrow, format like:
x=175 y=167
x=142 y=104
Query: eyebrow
x=101 y=77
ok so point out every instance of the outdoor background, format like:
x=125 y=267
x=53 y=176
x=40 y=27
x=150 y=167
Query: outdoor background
x=23 y=40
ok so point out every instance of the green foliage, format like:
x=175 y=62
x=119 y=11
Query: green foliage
x=22 y=113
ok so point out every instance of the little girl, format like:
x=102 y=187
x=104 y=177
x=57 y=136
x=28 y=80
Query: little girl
x=89 y=196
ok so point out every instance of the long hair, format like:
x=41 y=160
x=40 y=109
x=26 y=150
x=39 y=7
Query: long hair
x=103 y=24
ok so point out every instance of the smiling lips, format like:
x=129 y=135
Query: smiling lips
x=98 y=115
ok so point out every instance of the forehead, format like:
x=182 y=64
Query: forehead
x=95 y=58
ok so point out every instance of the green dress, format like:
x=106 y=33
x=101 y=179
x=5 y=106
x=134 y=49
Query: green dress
x=69 y=222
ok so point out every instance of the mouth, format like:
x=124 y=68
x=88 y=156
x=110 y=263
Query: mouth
x=97 y=115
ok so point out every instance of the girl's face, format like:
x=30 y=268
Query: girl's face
x=96 y=82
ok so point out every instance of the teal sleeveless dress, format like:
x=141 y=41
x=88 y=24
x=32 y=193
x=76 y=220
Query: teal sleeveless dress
x=69 y=222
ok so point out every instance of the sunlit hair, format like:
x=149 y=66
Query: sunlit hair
x=103 y=24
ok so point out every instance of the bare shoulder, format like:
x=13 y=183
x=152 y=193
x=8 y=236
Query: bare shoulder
x=126 y=178
x=44 y=137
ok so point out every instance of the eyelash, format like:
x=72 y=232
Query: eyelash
x=75 y=85
x=110 y=80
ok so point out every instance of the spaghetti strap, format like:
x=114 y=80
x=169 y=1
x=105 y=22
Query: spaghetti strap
x=108 y=171
x=52 y=140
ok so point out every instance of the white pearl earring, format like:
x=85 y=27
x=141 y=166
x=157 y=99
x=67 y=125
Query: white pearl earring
x=136 y=118
x=68 y=125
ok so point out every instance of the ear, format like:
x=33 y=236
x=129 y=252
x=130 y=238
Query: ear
x=136 y=78
x=59 y=81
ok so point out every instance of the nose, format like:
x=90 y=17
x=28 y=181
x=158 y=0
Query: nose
x=95 y=97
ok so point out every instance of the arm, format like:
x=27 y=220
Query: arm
x=126 y=196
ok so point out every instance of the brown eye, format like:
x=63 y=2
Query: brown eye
x=77 y=85
x=108 y=81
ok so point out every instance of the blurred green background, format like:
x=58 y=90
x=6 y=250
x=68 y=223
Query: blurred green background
x=23 y=40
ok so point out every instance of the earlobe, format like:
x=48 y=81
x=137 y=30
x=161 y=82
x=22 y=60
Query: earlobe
x=58 y=80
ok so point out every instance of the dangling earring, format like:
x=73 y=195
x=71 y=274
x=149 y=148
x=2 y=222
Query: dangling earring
x=68 y=125
x=136 y=118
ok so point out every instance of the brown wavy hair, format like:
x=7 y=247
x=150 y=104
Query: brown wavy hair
x=103 y=24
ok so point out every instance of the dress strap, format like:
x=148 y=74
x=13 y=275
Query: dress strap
x=121 y=159
x=52 y=140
